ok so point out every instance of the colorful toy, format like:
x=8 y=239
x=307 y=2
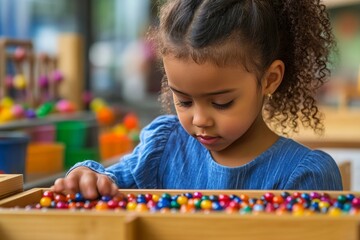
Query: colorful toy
x=41 y=96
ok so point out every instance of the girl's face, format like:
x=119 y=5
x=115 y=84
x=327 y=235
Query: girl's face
x=216 y=105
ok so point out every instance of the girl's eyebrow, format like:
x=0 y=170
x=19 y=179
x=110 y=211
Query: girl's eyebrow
x=206 y=94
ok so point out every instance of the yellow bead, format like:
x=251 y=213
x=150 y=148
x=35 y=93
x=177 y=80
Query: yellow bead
x=182 y=200
x=334 y=211
x=131 y=206
x=324 y=204
x=6 y=102
x=6 y=115
x=155 y=197
x=19 y=81
x=206 y=204
x=120 y=129
x=97 y=104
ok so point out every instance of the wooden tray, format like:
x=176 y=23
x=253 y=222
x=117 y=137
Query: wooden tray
x=10 y=184
x=88 y=224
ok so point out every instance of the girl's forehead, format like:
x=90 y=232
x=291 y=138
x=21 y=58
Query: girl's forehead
x=191 y=77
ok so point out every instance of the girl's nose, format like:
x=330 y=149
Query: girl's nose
x=201 y=118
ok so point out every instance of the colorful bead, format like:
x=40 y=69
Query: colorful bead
x=298 y=204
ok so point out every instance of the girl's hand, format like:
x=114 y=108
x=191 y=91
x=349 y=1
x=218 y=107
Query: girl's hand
x=89 y=183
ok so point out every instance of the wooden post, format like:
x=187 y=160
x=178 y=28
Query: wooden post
x=71 y=64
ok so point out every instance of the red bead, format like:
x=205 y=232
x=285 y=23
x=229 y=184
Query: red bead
x=269 y=197
x=49 y=194
x=197 y=195
x=70 y=197
x=60 y=198
x=61 y=205
x=112 y=203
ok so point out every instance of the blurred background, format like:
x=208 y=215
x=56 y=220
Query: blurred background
x=118 y=64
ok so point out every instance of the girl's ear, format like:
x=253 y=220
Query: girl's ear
x=273 y=77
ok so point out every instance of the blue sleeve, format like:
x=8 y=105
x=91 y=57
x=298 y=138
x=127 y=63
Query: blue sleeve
x=139 y=168
x=317 y=171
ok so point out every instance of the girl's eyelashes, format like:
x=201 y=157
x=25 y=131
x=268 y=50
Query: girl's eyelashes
x=223 y=106
x=188 y=104
x=184 y=104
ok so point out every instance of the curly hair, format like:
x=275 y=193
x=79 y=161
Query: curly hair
x=255 y=33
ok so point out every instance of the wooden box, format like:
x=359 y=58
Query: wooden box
x=90 y=224
x=10 y=184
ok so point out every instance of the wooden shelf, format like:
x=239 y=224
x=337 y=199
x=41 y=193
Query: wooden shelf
x=53 y=118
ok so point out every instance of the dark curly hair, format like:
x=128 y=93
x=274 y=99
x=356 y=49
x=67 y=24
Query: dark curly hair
x=255 y=33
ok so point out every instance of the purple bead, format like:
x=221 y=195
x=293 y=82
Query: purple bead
x=30 y=113
x=57 y=76
x=43 y=81
x=289 y=199
x=314 y=195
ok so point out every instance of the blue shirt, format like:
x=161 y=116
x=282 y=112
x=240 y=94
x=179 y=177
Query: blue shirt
x=167 y=157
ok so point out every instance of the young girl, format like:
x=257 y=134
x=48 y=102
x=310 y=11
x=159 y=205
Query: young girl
x=238 y=71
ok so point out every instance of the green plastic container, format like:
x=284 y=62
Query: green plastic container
x=71 y=133
x=73 y=156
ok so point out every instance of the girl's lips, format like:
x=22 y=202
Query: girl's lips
x=207 y=140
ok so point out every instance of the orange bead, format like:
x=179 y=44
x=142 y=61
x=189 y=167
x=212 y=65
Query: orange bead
x=278 y=199
x=101 y=205
x=45 y=202
x=141 y=207
x=131 y=121
x=105 y=116
x=244 y=198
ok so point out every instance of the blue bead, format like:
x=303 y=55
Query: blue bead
x=350 y=197
x=188 y=195
x=338 y=205
x=79 y=197
x=213 y=198
x=305 y=196
x=236 y=199
x=258 y=208
x=106 y=198
x=216 y=206
x=163 y=204
x=141 y=199
x=284 y=195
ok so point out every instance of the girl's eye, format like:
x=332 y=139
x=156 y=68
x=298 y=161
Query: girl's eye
x=184 y=104
x=223 y=106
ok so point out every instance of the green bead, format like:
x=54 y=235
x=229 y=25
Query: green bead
x=197 y=203
x=166 y=196
x=174 y=204
x=341 y=198
x=245 y=210
x=205 y=197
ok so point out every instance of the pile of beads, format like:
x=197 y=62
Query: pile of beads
x=295 y=203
